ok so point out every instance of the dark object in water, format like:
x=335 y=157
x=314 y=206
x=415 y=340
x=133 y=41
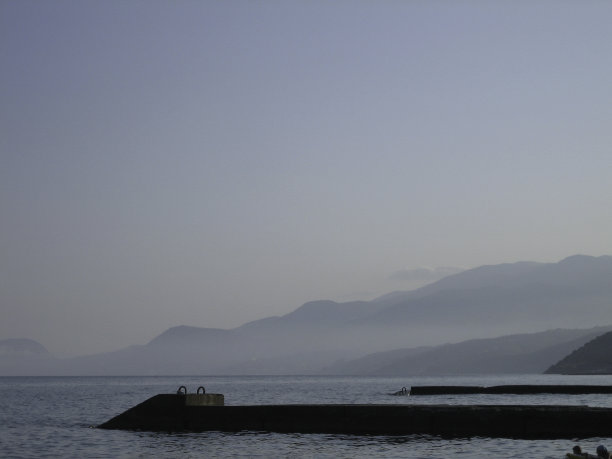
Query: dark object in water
x=173 y=413
x=511 y=389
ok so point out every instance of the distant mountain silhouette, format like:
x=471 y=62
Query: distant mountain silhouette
x=25 y=357
x=525 y=296
x=519 y=354
x=595 y=357
x=485 y=302
x=184 y=336
x=22 y=347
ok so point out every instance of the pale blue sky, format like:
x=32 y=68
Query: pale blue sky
x=210 y=163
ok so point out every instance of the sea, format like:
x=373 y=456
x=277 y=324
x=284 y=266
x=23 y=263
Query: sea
x=56 y=417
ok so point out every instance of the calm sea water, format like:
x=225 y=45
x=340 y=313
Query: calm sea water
x=52 y=417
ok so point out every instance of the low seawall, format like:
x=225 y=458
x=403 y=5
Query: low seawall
x=170 y=413
x=511 y=389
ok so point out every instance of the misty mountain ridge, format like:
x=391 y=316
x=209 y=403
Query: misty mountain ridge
x=22 y=347
x=22 y=356
x=516 y=354
x=575 y=269
x=184 y=335
x=507 y=298
x=594 y=357
x=480 y=303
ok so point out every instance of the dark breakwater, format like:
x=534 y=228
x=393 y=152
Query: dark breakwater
x=170 y=413
x=522 y=389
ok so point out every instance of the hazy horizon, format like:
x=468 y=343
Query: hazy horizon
x=212 y=163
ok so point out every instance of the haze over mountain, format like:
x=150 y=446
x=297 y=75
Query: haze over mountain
x=210 y=163
x=509 y=298
x=484 y=302
x=520 y=354
x=22 y=356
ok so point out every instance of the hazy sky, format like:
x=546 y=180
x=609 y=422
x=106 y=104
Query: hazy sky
x=208 y=163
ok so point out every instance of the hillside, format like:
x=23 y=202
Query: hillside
x=522 y=353
x=594 y=357
x=25 y=357
x=21 y=347
x=504 y=299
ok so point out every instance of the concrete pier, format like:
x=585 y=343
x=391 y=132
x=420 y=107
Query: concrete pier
x=204 y=400
x=170 y=413
x=511 y=389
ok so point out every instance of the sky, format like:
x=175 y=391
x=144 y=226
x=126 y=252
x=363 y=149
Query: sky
x=209 y=163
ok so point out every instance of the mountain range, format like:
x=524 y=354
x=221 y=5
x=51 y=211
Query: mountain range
x=510 y=354
x=516 y=301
